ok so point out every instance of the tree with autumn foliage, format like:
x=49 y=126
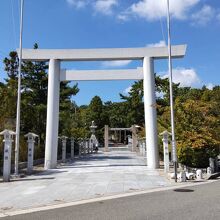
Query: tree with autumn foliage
x=197 y=128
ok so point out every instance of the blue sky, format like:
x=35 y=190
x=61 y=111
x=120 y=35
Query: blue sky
x=119 y=23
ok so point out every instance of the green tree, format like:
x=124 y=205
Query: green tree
x=34 y=99
x=67 y=107
x=135 y=105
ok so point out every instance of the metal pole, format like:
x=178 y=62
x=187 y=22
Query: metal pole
x=171 y=94
x=19 y=94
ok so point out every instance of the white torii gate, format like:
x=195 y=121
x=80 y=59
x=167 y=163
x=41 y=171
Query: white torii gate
x=55 y=76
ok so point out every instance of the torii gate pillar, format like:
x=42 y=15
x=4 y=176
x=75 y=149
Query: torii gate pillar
x=150 y=113
x=53 y=99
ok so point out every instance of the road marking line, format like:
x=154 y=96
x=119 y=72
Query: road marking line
x=82 y=202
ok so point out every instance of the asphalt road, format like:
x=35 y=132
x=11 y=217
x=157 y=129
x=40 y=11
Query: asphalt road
x=192 y=203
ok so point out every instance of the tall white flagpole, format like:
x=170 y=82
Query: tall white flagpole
x=19 y=94
x=174 y=153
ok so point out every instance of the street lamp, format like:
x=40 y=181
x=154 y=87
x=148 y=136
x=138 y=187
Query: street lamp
x=171 y=94
x=19 y=94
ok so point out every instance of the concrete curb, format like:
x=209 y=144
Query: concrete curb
x=81 y=202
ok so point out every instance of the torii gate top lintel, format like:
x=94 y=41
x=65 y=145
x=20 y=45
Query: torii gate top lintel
x=178 y=51
x=120 y=129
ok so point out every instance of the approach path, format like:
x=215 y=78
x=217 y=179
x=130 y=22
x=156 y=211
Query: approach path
x=94 y=176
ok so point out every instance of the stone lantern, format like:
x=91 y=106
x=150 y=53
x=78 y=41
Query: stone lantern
x=30 y=140
x=93 y=127
x=165 y=138
x=93 y=142
x=8 y=139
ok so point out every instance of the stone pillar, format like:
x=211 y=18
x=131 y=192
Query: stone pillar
x=212 y=164
x=106 y=137
x=86 y=146
x=80 y=148
x=199 y=174
x=72 y=148
x=31 y=140
x=90 y=145
x=8 y=139
x=52 y=114
x=64 y=140
x=83 y=147
x=125 y=138
x=209 y=171
x=140 y=147
x=166 y=150
x=182 y=176
x=217 y=167
x=150 y=113
x=134 y=138
x=145 y=150
x=130 y=142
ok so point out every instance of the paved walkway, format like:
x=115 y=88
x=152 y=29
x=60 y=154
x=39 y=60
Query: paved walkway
x=93 y=176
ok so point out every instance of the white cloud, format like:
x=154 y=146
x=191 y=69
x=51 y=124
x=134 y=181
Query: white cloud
x=161 y=43
x=154 y=9
x=210 y=86
x=127 y=90
x=105 y=6
x=116 y=63
x=77 y=3
x=204 y=16
x=123 y=17
x=186 y=77
x=100 y=6
x=151 y=10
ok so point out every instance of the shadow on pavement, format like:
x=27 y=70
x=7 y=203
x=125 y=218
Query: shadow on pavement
x=49 y=172
x=110 y=165
x=32 y=179
x=94 y=157
x=183 y=190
